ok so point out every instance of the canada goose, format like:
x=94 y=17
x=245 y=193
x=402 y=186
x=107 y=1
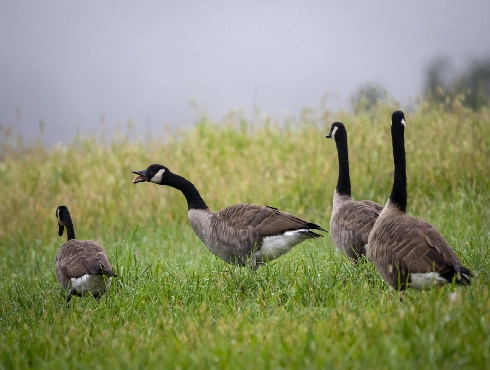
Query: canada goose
x=351 y=221
x=407 y=251
x=81 y=265
x=242 y=234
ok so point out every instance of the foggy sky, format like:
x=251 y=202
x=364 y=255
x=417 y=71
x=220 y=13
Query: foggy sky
x=67 y=62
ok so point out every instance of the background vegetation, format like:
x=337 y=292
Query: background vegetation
x=176 y=305
x=443 y=85
x=473 y=83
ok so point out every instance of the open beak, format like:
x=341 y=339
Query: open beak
x=141 y=176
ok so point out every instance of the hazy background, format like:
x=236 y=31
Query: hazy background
x=73 y=64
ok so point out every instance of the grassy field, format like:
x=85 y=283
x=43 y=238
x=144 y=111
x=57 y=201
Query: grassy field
x=175 y=305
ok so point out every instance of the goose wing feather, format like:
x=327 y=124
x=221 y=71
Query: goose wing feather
x=358 y=218
x=265 y=220
x=244 y=227
x=76 y=258
x=422 y=248
x=415 y=246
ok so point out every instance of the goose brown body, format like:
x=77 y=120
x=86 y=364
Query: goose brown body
x=407 y=251
x=351 y=224
x=403 y=246
x=237 y=233
x=81 y=266
x=77 y=258
x=242 y=234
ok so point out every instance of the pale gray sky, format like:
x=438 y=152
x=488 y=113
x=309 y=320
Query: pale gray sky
x=68 y=62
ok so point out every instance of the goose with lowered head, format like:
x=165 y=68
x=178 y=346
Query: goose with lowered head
x=81 y=266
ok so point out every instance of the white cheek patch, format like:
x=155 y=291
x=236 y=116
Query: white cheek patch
x=158 y=177
x=403 y=123
x=333 y=132
x=60 y=223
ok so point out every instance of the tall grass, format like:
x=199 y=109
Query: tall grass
x=176 y=305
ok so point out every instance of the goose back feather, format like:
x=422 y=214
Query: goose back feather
x=404 y=246
x=351 y=224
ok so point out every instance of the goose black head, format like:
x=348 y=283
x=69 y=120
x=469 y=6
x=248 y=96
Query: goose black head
x=398 y=119
x=337 y=131
x=155 y=173
x=61 y=214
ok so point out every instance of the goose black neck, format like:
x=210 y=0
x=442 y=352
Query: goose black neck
x=194 y=199
x=70 y=231
x=343 y=182
x=399 y=191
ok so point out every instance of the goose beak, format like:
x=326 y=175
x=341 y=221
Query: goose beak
x=328 y=136
x=61 y=228
x=141 y=176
